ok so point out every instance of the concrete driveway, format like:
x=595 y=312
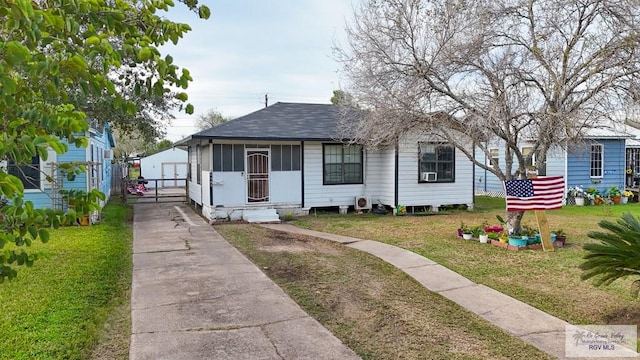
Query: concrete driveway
x=194 y=296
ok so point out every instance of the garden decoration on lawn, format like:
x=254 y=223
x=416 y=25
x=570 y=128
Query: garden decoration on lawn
x=538 y=194
x=577 y=193
x=466 y=231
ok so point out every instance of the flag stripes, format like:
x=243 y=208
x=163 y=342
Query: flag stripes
x=543 y=193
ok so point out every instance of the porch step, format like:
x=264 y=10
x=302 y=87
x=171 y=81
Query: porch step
x=260 y=216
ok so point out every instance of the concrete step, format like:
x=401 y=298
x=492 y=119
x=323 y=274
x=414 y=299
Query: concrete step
x=260 y=216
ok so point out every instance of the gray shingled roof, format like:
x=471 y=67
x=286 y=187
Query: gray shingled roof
x=280 y=121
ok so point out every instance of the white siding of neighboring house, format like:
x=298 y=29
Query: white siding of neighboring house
x=411 y=192
x=556 y=161
x=487 y=181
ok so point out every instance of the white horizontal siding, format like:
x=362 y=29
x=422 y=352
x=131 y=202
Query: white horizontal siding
x=413 y=193
x=195 y=190
x=318 y=195
x=229 y=188
x=379 y=176
x=556 y=161
x=286 y=188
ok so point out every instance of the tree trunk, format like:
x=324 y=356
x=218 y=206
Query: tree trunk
x=513 y=221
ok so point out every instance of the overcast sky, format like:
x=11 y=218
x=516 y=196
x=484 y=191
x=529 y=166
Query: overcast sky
x=249 y=48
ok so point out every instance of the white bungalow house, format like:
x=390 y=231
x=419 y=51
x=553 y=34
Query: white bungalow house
x=286 y=158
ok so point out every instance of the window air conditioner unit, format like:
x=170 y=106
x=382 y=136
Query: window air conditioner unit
x=429 y=176
x=108 y=155
x=362 y=203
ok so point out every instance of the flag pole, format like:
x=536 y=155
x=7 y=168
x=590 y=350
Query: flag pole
x=543 y=225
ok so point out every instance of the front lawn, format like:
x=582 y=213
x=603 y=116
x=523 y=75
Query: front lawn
x=374 y=308
x=58 y=308
x=549 y=281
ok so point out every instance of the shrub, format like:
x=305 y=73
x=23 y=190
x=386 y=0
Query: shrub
x=617 y=255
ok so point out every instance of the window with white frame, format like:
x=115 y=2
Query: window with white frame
x=530 y=161
x=494 y=159
x=597 y=160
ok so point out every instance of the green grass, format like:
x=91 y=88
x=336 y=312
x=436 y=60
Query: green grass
x=373 y=307
x=549 y=281
x=57 y=308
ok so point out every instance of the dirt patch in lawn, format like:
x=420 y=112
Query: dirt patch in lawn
x=374 y=308
x=278 y=241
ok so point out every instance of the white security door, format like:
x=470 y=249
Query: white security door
x=257 y=176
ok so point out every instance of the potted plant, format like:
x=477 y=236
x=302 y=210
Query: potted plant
x=577 y=194
x=559 y=237
x=503 y=237
x=626 y=195
x=614 y=194
x=466 y=231
x=528 y=233
x=493 y=236
x=594 y=196
x=516 y=239
x=80 y=204
x=479 y=233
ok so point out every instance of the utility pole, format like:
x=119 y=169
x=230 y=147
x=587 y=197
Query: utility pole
x=266 y=100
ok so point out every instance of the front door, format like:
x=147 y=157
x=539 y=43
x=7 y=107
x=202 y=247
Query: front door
x=257 y=176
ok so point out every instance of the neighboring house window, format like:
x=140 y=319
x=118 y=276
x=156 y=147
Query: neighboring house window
x=532 y=160
x=198 y=164
x=495 y=157
x=342 y=164
x=228 y=157
x=28 y=174
x=436 y=162
x=285 y=157
x=596 y=160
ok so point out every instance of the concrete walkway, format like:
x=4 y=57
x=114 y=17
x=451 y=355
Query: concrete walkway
x=194 y=296
x=533 y=326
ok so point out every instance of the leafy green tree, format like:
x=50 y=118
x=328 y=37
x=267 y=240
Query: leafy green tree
x=617 y=255
x=54 y=53
x=158 y=146
x=210 y=119
x=342 y=97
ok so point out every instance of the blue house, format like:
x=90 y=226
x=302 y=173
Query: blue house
x=96 y=158
x=599 y=161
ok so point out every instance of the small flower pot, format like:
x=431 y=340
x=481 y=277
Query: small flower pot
x=467 y=236
x=518 y=241
x=579 y=201
x=484 y=238
x=624 y=200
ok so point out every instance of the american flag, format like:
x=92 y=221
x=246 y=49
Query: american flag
x=543 y=193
